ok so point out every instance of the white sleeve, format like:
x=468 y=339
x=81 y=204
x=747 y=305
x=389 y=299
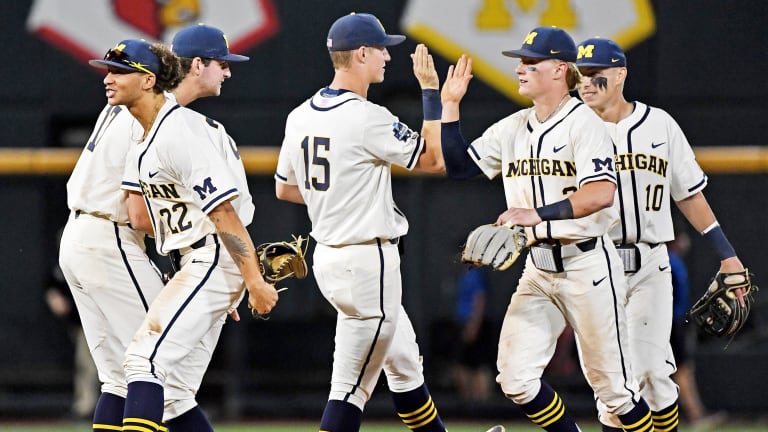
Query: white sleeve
x=687 y=178
x=131 y=171
x=285 y=172
x=486 y=150
x=592 y=149
x=388 y=139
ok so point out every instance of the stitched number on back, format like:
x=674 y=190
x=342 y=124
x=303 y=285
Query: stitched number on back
x=180 y=212
x=654 y=195
x=323 y=182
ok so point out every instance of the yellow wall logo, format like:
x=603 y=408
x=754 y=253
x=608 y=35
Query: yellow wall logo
x=484 y=28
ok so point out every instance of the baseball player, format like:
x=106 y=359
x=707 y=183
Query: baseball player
x=336 y=159
x=98 y=230
x=195 y=208
x=556 y=160
x=655 y=164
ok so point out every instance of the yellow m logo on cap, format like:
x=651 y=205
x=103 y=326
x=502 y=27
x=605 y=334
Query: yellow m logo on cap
x=585 y=51
x=529 y=39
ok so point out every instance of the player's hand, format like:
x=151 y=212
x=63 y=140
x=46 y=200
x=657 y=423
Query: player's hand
x=733 y=265
x=519 y=216
x=424 y=68
x=262 y=297
x=457 y=81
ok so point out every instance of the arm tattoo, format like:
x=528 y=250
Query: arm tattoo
x=237 y=248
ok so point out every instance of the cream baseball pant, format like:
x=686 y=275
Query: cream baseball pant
x=113 y=283
x=649 y=323
x=373 y=331
x=589 y=295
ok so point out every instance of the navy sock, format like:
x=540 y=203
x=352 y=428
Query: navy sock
x=340 y=416
x=417 y=410
x=667 y=419
x=109 y=413
x=193 y=420
x=638 y=418
x=548 y=411
x=144 y=406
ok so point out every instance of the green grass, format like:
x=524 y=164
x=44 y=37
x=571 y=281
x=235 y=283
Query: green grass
x=367 y=427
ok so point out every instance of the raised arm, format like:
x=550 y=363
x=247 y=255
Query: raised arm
x=431 y=160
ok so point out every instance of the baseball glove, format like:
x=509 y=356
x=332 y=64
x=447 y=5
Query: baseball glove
x=497 y=246
x=280 y=260
x=718 y=311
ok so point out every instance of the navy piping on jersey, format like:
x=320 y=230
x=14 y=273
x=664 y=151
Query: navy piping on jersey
x=698 y=185
x=474 y=152
x=616 y=317
x=141 y=156
x=283 y=178
x=633 y=178
x=185 y=304
x=128 y=267
x=416 y=152
x=378 y=328
x=111 y=114
x=541 y=179
x=326 y=92
x=219 y=198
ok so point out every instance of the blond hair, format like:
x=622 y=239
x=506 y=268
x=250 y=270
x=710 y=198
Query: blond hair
x=572 y=76
x=340 y=59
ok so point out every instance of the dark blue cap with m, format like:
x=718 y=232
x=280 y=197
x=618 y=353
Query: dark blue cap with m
x=200 y=40
x=546 y=43
x=132 y=55
x=599 y=52
x=359 y=29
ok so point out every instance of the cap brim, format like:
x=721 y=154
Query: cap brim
x=104 y=64
x=392 y=40
x=234 y=58
x=599 y=65
x=524 y=53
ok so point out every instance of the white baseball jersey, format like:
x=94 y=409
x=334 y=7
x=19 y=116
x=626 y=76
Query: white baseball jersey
x=185 y=168
x=654 y=161
x=543 y=163
x=358 y=206
x=94 y=186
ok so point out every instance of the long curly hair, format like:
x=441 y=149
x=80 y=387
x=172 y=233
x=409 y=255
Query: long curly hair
x=170 y=74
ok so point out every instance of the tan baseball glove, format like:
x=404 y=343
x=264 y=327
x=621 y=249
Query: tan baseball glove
x=497 y=246
x=281 y=260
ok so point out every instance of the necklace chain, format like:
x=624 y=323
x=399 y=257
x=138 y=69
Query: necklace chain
x=557 y=108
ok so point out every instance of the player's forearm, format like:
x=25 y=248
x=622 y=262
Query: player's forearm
x=450 y=111
x=238 y=242
x=288 y=192
x=696 y=209
x=431 y=160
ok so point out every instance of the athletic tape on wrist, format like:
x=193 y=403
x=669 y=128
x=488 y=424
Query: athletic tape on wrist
x=556 y=211
x=431 y=105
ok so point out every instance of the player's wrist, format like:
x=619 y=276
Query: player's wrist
x=716 y=237
x=556 y=211
x=431 y=105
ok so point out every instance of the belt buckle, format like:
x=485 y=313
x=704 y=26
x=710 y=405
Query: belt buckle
x=630 y=257
x=547 y=257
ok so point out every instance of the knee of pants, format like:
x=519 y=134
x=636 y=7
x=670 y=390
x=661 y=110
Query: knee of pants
x=358 y=399
x=520 y=391
x=117 y=389
x=404 y=372
x=658 y=390
x=137 y=367
x=176 y=407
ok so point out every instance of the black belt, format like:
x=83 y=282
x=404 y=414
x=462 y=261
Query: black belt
x=175 y=255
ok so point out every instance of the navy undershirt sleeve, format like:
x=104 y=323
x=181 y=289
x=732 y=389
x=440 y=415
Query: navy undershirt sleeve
x=458 y=164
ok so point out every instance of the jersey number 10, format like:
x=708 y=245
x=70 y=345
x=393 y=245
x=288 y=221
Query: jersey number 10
x=322 y=163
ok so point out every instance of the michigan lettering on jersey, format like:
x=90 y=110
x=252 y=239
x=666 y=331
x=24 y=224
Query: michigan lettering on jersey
x=165 y=191
x=640 y=161
x=546 y=167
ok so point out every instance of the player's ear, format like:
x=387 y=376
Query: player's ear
x=360 y=52
x=148 y=82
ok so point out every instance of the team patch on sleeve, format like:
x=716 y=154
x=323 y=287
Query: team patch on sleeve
x=401 y=131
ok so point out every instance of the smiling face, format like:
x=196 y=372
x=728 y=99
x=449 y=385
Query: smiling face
x=537 y=76
x=601 y=87
x=125 y=87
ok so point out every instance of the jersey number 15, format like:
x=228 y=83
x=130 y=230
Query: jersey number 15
x=319 y=161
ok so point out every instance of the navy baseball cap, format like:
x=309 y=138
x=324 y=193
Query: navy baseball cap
x=546 y=43
x=200 y=40
x=359 y=29
x=599 y=52
x=132 y=55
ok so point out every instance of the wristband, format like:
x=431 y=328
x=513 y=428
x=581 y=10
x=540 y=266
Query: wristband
x=431 y=105
x=717 y=238
x=557 y=211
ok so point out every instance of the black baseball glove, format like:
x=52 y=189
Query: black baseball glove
x=718 y=312
x=497 y=246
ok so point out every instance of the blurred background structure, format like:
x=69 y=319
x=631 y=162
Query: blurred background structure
x=703 y=61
